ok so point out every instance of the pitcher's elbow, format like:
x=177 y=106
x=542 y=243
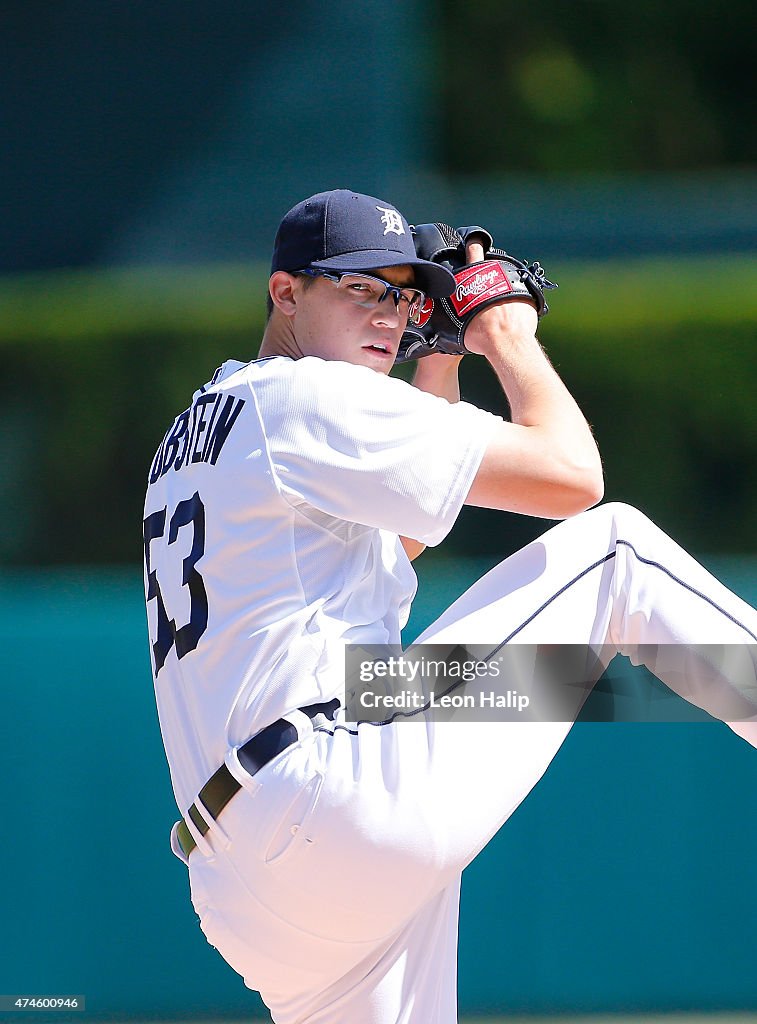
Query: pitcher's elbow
x=592 y=489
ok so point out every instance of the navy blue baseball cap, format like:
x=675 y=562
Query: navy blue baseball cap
x=344 y=230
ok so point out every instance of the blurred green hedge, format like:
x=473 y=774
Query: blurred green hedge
x=660 y=354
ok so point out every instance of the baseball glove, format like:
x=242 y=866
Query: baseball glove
x=499 y=277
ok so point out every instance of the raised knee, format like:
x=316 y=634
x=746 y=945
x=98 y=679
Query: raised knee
x=622 y=514
x=621 y=508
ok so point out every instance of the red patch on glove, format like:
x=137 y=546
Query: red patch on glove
x=426 y=310
x=478 y=284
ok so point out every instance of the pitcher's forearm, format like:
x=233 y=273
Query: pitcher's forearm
x=438 y=375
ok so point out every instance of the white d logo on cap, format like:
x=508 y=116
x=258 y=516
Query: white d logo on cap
x=391 y=221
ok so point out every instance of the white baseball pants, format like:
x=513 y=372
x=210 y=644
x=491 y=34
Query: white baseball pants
x=331 y=881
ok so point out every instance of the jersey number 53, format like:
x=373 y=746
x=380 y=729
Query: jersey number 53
x=190 y=512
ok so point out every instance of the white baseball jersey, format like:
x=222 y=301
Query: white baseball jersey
x=330 y=881
x=272 y=517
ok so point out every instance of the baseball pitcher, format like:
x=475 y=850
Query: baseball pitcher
x=284 y=507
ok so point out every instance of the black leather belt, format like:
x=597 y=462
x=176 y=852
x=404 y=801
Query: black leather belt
x=256 y=753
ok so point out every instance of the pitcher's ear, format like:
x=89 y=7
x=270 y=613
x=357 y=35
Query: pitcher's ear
x=283 y=290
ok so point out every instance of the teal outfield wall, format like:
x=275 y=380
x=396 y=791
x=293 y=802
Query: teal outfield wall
x=627 y=881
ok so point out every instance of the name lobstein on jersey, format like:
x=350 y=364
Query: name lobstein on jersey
x=198 y=434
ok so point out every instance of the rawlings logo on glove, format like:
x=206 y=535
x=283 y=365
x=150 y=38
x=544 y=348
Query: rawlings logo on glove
x=497 y=278
x=476 y=283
